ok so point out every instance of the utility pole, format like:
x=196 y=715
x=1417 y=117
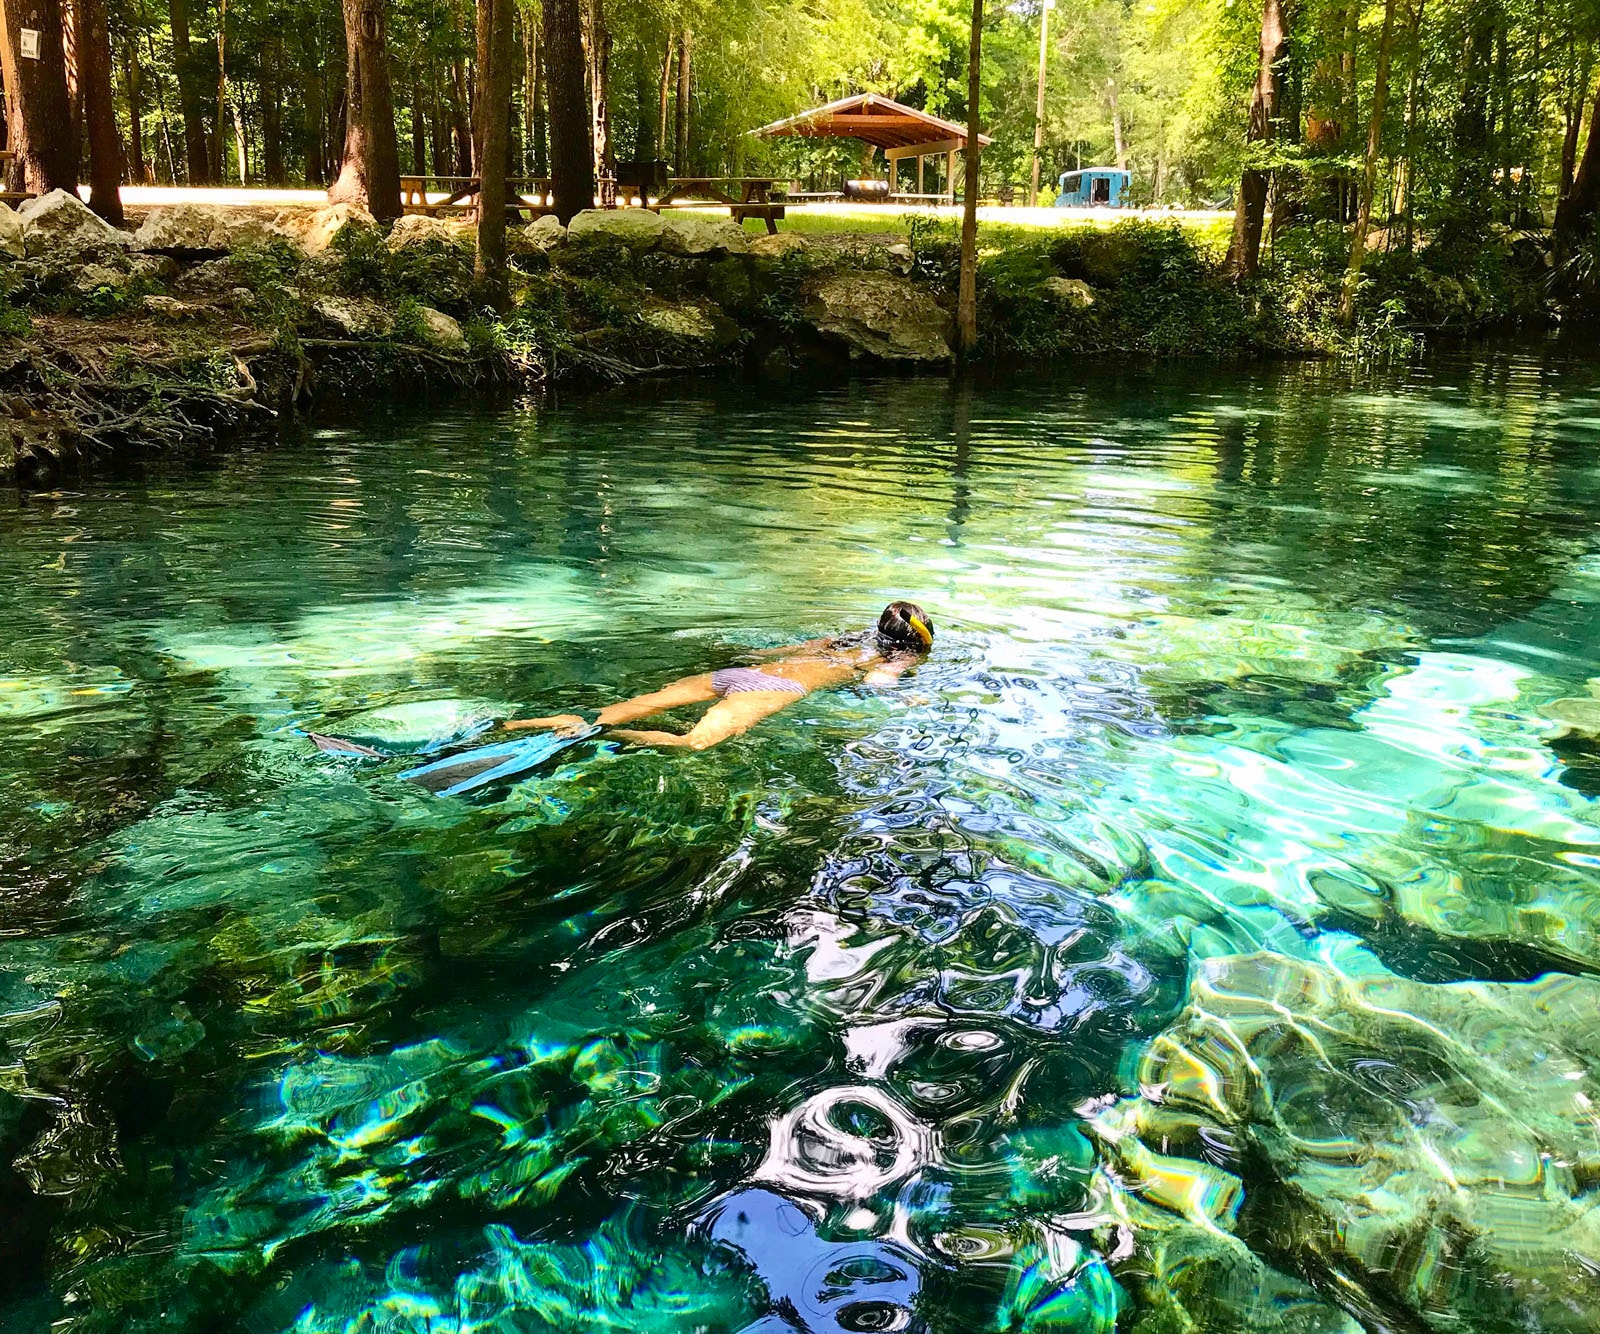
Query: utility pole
x=1038 y=106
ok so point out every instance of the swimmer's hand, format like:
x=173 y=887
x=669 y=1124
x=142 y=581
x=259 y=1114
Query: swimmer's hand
x=562 y=724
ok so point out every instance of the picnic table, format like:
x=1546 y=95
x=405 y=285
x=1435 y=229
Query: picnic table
x=524 y=194
x=754 y=196
x=11 y=196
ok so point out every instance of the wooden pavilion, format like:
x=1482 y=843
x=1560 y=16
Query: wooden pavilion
x=884 y=124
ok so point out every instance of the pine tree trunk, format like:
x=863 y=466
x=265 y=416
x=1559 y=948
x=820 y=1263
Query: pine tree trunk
x=100 y=111
x=1244 y=251
x=441 y=140
x=967 y=286
x=137 y=171
x=681 y=158
x=494 y=131
x=460 y=117
x=666 y=96
x=1119 y=148
x=219 y=140
x=605 y=160
x=370 y=173
x=312 y=115
x=571 y=155
x=1369 y=175
x=541 y=156
x=419 y=130
x=530 y=86
x=38 y=109
x=196 y=152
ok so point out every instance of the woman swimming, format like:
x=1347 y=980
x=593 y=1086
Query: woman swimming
x=746 y=695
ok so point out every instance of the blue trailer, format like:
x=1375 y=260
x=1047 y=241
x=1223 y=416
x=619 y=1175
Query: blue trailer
x=1093 y=187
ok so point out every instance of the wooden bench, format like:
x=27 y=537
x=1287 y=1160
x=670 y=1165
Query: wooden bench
x=461 y=195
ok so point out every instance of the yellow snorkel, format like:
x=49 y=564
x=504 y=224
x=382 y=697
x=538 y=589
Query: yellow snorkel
x=923 y=633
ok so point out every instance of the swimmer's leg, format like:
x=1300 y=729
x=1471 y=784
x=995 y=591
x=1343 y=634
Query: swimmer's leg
x=734 y=715
x=690 y=690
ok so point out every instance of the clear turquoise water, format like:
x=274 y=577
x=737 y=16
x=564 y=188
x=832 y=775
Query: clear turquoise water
x=1204 y=938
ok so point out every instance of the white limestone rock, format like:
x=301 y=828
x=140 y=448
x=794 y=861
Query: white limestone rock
x=60 y=223
x=637 y=228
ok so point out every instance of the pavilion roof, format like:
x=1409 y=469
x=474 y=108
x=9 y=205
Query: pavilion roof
x=874 y=119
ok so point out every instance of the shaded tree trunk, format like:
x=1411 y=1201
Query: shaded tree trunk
x=666 y=94
x=571 y=155
x=1576 y=214
x=38 y=108
x=681 y=157
x=100 y=111
x=1576 y=96
x=541 y=158
x=133 y=90
x=605 y=158
x=370 y=173
x=460 y=117
x=419 y=130
x=313 y=114
x=219 y=140
x=1369 y=175
x=196 y=152
x=441 y=140
x=967 y=285
x=272 y=113
x=1119 y=148
x=1406 y=185
x=492 y=153
x=1244 y=251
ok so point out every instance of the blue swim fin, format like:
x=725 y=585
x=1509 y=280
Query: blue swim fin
x=471 y=769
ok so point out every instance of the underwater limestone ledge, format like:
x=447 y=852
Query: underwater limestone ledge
x=1426 y=1155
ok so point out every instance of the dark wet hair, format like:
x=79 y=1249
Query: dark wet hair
x=898 y=628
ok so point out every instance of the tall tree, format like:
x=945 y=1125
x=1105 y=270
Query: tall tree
x=681 y=156
x=1369 y=174
x=38 y=109
x=370 y=173
x=605 y=161
x=492 y=150
x=133 y=90
x=667 y=64
x=571 y=155
x=196 y=152
x=1250 y=210
x=219 y=140
x=1575 y=217
x=967 y=285
x=100 y=110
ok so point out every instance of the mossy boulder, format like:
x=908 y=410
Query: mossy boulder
x=877 y=316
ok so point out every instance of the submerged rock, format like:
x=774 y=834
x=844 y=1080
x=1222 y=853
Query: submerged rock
x=878 y=316
x=638 y=228
x=11 y=234
x=1429 y=1150
x=60 y=223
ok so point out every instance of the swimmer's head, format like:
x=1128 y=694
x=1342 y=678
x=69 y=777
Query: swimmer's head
x=904 y=625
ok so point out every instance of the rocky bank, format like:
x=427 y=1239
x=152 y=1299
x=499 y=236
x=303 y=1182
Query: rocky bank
x=206 y=321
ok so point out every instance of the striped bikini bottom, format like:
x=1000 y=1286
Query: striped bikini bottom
x=742 y=680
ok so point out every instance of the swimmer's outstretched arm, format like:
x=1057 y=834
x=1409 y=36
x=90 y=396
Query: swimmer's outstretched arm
x=690 y=690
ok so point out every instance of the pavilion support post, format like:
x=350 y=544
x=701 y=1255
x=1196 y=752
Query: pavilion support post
x=950 y=176
x=919 y=173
